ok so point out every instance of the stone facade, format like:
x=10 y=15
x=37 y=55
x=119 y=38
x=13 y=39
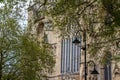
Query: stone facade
x=53 y=38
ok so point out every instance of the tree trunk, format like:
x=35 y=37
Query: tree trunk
x=1 y=59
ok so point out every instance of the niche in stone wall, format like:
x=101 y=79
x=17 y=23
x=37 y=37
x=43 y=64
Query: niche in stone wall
x=39 y=27
x=116 y=70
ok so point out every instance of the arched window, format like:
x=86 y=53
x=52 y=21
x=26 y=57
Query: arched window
x=70 y=56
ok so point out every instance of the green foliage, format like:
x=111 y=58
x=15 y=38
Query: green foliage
x=74 y=15
x=64 y=6
x=20 y=56
x=112 y=7
x=37 y=60
x=9 y=48
x=1 y=0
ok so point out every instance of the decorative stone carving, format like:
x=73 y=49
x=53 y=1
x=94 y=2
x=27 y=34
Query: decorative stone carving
x=116 y=72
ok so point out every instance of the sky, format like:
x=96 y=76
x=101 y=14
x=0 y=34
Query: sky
x=24 y=13
x=1 y=5
x=23 y=22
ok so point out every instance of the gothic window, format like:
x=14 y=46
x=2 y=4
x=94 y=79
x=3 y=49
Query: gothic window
x=70 y=56
x=107 y=72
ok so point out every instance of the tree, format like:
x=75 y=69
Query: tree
x=112 y=7
x=38 y=60
x=102 y=29
x=9 y=36
x=20 y=56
